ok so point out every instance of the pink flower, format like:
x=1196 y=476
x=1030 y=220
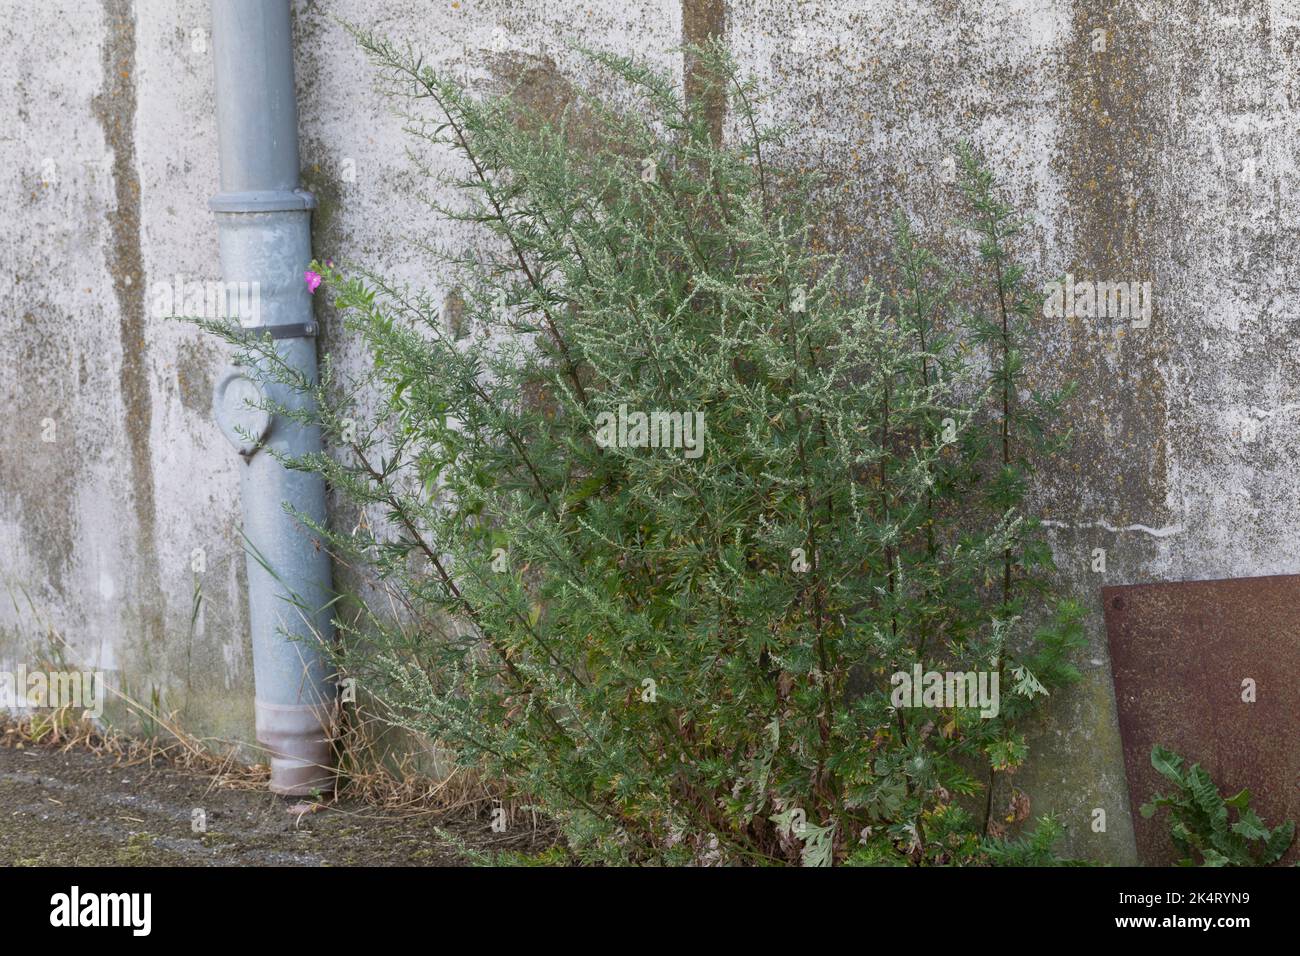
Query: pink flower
x=313 y=281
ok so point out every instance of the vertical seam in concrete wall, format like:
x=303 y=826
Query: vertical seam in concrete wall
x=1114 y=133
x=115 y=108
x=703 y=20
x=1115 y=127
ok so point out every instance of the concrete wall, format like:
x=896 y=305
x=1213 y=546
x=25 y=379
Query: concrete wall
x=1150 y=141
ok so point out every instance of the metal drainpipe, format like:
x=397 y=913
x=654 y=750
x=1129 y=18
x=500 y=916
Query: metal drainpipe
x=265 y=235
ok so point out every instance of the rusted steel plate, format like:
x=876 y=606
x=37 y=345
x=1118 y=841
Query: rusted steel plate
x=1180 y=653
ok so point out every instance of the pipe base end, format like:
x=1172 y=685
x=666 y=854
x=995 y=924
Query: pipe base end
x=292 y=778
x=297 y=737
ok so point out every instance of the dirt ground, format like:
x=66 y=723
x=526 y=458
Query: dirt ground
x=80 y=809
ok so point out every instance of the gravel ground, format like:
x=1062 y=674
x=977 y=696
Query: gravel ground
x=80 y=809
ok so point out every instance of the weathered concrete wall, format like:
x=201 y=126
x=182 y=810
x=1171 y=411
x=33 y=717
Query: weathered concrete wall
x=1148 y=141
x=111 y=474
x=119 y=509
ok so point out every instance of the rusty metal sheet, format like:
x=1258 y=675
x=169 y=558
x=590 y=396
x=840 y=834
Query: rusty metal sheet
x=1179 y=654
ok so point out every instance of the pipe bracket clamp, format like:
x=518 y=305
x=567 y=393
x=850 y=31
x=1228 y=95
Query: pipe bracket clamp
x=239 y=406
x=289 y=330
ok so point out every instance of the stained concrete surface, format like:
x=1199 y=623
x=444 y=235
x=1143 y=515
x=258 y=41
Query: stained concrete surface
x=1151 y=140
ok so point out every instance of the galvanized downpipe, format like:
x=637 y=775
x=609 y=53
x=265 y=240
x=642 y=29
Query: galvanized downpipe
x=265 y=235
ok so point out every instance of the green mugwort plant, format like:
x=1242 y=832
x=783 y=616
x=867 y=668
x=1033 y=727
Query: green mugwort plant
x=702 y=549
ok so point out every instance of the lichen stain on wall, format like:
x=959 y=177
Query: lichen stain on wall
x=115 y=108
